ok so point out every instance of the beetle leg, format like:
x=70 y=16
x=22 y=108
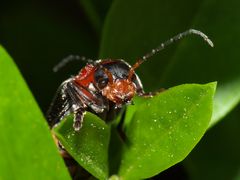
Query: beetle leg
x=78 y=106
x=150 y=94
x=78 y=119
x=66 y=101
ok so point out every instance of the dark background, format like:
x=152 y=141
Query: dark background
x=39 y=34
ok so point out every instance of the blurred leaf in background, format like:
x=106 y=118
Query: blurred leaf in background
x=96 y=11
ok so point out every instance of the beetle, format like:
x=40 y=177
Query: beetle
x=102 y=85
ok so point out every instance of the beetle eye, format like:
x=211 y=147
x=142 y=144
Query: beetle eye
x=102 y=83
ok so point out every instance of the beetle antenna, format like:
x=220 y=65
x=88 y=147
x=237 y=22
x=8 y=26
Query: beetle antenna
x=167 y=43
x=69 y=59
x=176 y=38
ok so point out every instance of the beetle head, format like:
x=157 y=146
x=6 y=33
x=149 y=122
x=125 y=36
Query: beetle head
x=121 y=91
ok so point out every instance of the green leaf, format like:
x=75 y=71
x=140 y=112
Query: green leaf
x=217 y=157
x=27 y=148
x=89 y=146
x=145 y=24
x=96 y=11
x=164 y=129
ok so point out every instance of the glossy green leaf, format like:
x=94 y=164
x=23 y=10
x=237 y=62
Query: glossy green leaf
x=27 y=148
x=161 y=131
x=89 y=146
x=217 y=156
x=134 y=27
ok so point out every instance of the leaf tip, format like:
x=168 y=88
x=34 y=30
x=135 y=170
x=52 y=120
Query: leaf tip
x=212 y=86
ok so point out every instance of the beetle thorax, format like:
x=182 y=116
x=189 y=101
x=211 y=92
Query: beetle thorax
x=121 y=91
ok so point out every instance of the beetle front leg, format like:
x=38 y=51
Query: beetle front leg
x=78 y=119
x=78 y=107
x=150 y=94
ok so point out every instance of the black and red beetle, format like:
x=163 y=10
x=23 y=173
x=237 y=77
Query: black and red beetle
x=102 y=85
